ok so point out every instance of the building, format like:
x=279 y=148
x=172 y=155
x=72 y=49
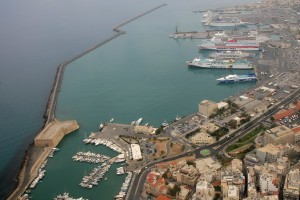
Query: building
x=136 y=151
x=268 y=153
x=144 y=129
x=209 y=127
x=207 y=107
x=210 y=169
x=162 y=197
x=230 y=192
x=183 y=194
x=155 y=184
x=204 y=190
x=222 y=105
x=292 y=184
x=52 y=134
x=202 y=138
x=188 y=175
x=252 y=193
x=232 y=175
x=268 y=184
x=279 y=135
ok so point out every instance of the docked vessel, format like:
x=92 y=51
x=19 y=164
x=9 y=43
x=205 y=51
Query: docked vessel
x=226 y=22
x=101 y=126
x=138 y=121
x=237 y=78
x=220 y=64
x=207 y=16
x=231 y=55
x=233 y=45
x=251 y=36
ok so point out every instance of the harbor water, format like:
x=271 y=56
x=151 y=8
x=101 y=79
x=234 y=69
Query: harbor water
x=140 y=74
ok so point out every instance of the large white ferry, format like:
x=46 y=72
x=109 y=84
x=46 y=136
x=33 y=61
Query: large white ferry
x=251 y=36
x=220 y=64
x=226 y=22
x=237 y=78
x=231 y=55
x=234 y=45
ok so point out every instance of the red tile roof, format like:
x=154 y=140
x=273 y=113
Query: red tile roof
x=284 y=114
x=296 y=129
x=162 y=197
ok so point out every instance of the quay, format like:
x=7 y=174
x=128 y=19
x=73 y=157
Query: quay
x=53 y=130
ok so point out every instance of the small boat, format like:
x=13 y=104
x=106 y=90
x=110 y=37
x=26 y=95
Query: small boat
x=56 y=149
x=133 y=123
x=178 y=118
x=111 y=120
x=146 y=124
x=138 y=121
x=101 y=126
x=105 y=178
x=165 y=124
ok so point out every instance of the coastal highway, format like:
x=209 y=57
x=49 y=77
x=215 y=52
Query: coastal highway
x=136 y=186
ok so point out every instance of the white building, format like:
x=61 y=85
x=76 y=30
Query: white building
x=268 y=184
x=136 y=152
x=230 y=192
x=204 y=190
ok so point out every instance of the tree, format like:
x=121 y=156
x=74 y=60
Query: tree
x=171 y=144
x=232 y=123
x=176 y=189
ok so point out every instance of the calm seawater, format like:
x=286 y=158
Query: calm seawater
x=140 y=74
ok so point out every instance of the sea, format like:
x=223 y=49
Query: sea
x=139 y=74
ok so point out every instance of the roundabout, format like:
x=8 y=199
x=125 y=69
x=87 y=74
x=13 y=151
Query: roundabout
x=205 y=152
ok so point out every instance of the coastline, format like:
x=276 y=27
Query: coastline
x=27 y=172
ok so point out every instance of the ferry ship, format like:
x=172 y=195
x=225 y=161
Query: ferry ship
x=226 y=22
x=231 y=55
x=220 y=64
x=251 y=36
x=237 y=78
x=233 y=45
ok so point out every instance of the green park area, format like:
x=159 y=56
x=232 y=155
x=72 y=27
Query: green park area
x=247 y=139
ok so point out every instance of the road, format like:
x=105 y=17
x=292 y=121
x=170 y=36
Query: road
x=136 y=188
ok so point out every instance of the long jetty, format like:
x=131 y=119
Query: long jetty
x=52 y=102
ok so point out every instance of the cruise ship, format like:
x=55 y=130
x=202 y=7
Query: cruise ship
x=226 y=22
x=231 y=55
x=251 y=36
x=233 y=45
x=237 y=78
x=220 y=64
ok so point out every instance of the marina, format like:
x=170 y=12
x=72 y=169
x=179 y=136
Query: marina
x=90 y=157
x=122 y=194
x=94 y=177
x=65 y=196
